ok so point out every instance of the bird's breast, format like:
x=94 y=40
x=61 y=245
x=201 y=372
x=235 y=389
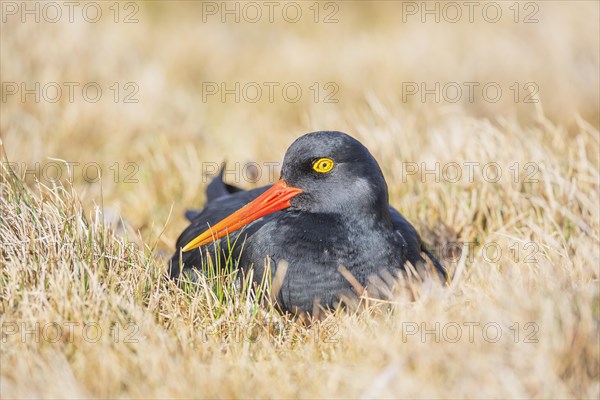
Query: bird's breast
x=314 y=248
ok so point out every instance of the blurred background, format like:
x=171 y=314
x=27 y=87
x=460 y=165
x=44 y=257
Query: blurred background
x=155 y=94
x=138 y=103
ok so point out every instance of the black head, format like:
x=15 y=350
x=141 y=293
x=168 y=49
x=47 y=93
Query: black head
x=336 y=174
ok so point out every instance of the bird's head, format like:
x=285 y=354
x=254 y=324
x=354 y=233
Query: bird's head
x=322 y=172
x=336 y=174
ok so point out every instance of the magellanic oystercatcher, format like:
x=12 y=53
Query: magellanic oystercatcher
x=327 y=219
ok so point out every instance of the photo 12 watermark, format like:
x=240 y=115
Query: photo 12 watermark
x=515 y=251
x=56 y=171
x=253 y=92
x=469 y=92
x=470 y=171
x=251 y=12
x=52 y=12
x=69 y=332
x=471 y=332
x=493 y=12
x=71 y=92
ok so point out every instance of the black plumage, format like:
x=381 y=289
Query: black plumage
x=338 y=215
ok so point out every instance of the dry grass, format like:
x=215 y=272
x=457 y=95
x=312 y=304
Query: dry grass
x=76 y=251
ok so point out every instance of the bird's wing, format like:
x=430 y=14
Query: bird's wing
x=213 y=212
x=415 y=245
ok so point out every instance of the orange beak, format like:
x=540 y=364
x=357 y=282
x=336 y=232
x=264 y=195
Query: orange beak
x=275 y=199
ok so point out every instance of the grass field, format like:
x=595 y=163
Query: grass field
x=485 y=124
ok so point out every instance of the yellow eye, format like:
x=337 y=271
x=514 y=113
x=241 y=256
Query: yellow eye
x=323 y=165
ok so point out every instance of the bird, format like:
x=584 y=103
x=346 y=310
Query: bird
x=327 y=221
